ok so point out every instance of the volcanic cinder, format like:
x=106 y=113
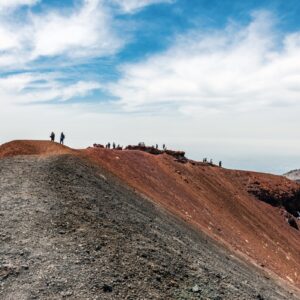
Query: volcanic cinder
x=110 y=224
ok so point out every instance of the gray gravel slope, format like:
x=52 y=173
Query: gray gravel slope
x=70 y=230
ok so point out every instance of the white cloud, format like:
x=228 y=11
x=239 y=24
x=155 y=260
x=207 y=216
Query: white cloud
x=85 y=32
x=4 y=4
x=29 y=88
x=8 y=39
x=69 y=37
x=238 y=68
x=129 y=6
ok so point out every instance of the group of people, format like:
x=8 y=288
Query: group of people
x=164 y=147
x=118 y=147
x=61 y=140
x=205 y=160
x=113 y=146
x=156 y=146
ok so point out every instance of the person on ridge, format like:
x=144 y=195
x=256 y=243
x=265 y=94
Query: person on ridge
x=62 y=138
x=52 y=136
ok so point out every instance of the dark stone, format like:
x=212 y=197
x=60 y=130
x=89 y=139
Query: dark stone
x=107 y=288
x=292 y=222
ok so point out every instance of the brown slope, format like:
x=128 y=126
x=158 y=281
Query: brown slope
x=30 y=147
x=70 y=230
x=214 y=200
x=217 y=202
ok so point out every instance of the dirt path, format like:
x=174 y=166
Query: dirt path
x=69 y=230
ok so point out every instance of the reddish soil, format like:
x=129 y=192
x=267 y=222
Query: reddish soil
x=217 y=201
x=33 y=148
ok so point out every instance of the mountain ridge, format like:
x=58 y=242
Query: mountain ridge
x=229 y=206
x=71 y=230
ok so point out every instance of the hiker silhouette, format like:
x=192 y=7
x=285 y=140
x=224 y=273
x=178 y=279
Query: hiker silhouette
x=62 y=138
x=52 y=136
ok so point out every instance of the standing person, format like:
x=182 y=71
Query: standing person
x=62 y=138
x=52 y=136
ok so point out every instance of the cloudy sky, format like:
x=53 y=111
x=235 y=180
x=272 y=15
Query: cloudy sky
x=218 y=78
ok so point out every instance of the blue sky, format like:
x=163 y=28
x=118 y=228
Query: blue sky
x=216 y=78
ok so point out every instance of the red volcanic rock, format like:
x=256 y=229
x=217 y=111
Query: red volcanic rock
x=33 y=148
x=284 y=193
x=247 y=212
x=175 y=153
x=151 y=150
x=217 y=201
x=179 y=155
x=292 y=222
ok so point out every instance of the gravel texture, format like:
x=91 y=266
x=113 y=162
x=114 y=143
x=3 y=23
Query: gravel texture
x=69 y=230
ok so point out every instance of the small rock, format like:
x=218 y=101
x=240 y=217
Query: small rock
x=25 y=267
x=292 y=222
x=66 y=294
x=196 y=289
x=103 y=177
x=107 y=288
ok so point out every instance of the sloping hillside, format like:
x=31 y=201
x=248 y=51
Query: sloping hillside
x=29 y=147
x=71 y=230
x=247 y=212
x=223 y=203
